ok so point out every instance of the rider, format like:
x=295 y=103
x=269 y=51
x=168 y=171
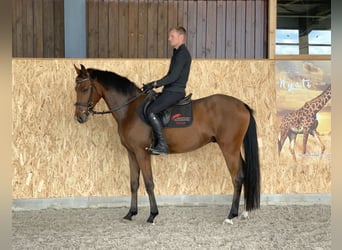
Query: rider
x=174 y=86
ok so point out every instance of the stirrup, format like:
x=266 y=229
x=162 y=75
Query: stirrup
x=154 y=151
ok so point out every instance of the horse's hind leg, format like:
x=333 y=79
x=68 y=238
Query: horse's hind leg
x=235 y=166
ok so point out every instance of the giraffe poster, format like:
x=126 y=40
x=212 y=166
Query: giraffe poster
x=303 y=111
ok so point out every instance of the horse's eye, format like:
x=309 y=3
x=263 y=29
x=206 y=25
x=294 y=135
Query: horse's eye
x=85 y=90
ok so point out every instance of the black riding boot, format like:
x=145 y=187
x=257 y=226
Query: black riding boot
x=161 y=147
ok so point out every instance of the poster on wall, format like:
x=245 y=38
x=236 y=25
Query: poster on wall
x=303 y=90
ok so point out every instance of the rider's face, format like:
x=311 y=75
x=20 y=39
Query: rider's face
x=175 y=39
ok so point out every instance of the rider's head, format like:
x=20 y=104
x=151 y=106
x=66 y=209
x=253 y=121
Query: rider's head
x=177 y=36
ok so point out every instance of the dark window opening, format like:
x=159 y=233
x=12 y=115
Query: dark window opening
x=303 y=27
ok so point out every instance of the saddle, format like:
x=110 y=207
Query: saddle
x=177 y=116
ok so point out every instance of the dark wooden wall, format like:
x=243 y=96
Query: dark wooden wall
x=38 y=28
x=216 y=28
x=139 y=28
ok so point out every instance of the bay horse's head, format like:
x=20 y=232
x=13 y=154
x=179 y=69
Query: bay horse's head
x=87 y=95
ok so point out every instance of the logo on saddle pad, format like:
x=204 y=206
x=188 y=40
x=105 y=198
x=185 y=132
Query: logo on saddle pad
x=180 y=120
x=177 y=116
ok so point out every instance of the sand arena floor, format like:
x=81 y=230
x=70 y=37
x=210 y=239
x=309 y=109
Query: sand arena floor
x=176 y=227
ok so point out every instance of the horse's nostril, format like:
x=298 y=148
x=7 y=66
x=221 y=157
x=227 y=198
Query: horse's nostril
x=79 y=119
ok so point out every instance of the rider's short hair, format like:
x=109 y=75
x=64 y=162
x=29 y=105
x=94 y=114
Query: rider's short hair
x=180 y=30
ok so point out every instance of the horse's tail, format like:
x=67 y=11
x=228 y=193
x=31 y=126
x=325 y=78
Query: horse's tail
x=251 y=166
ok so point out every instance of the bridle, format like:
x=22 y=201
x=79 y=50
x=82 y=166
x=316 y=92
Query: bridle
x=90 y=105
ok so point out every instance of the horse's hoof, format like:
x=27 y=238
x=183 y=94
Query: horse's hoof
x=150 y=220
x=244 y=215
x=228 y=221
x=125 y=221
x=130 y=215
x=151 y=217
x=126 y=218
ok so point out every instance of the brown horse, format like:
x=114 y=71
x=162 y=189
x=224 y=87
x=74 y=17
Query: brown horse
x=218 y=118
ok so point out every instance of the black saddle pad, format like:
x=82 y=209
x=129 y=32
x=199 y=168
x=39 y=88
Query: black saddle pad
x=177 y=116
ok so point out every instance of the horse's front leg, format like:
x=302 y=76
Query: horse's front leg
x=134 y=179
x=144 y=161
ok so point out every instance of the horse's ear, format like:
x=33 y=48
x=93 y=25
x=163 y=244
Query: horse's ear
x=83 y=68
x=81 y=71
x=78 y=71
x=84 y=71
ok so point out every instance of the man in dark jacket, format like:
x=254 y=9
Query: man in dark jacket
x=174 y=86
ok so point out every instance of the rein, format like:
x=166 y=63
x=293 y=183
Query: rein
x=117 y=108
x=90 y=104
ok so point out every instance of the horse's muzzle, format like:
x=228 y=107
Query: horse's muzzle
x=82 y=116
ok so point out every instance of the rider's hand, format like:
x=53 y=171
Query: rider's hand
x=148 y=86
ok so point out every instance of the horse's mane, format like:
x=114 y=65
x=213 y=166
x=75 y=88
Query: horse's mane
x=112 y=80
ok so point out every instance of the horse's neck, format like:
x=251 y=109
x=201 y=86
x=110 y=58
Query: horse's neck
x=119 y=103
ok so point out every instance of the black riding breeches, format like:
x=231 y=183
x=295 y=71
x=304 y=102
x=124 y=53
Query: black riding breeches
x=165 y=100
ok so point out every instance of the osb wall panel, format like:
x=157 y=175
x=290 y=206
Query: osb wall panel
x=54 y=156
